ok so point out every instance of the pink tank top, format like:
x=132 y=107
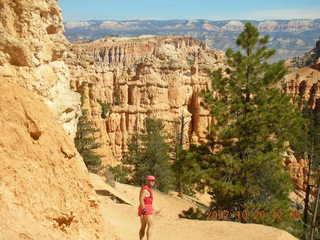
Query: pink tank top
x=148 y=200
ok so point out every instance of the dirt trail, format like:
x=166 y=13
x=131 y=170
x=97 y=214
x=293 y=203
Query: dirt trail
x=168 y=226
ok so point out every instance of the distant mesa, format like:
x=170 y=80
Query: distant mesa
x=77 y=24
x=290 y=37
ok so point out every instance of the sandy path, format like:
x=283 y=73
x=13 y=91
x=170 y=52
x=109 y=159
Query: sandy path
x=167 y=226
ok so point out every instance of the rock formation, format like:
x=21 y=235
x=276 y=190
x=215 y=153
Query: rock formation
x=45 y=192
x=139 y=77
x=31 y=49
x=150 y=76
x=305 y=84
x=158 y=77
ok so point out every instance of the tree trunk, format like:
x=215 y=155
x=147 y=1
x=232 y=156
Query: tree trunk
x=306 y=200
x=315 y=212
x=179 y=151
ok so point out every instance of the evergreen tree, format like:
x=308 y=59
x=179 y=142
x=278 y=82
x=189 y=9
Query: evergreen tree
x=148 y=153
x=308 y=148
x=185 y=167
x=242 y=163
x=85 y=142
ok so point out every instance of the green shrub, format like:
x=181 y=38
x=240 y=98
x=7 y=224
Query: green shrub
x=121 y=173
x=193 y=213
x=105 y=109
x=85 y=142
x=149 y=155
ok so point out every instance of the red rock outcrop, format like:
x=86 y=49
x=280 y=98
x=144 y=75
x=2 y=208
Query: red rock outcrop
x=139 y=77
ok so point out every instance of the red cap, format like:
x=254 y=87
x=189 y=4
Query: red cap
x=150 y=178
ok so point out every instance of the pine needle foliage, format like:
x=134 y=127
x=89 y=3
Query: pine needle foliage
x=254 y=121
x=184 y=166
x=105 y=109
x=308 y=148
x=148 y=153
x=86 y=142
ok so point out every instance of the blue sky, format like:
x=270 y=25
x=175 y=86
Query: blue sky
x=75 y=10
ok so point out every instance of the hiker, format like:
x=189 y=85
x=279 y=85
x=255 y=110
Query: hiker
x=145 y=209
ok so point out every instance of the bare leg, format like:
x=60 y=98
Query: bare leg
x=143 y=227
x=150 y=226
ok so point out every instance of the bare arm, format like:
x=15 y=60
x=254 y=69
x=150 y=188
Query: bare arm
x=143 y=194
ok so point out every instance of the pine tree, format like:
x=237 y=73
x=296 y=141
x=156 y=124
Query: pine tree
x=185 y=168
x=148 y=152
x=85 y=142
x=308 y=148
x=253 y=122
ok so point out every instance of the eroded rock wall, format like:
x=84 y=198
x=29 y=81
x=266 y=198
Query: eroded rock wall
x=150 y=76
x=303 y=83
x=31 y=54
x=158 y=77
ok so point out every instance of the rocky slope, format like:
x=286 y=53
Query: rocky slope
x=139 y=77
x=45 y=192
x=290 y=37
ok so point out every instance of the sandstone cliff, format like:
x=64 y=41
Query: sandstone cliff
x=45 y=192
x=31 y=49
x=139 y=77
x=305 y=83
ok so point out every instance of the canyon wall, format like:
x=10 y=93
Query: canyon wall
x=158 y=77
x=45 y=192
x=31 y=54
x=149 y=76
x=303 y=83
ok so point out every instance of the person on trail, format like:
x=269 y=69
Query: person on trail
x=145 y=209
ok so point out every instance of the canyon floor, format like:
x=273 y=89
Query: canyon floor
x=124 y=223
